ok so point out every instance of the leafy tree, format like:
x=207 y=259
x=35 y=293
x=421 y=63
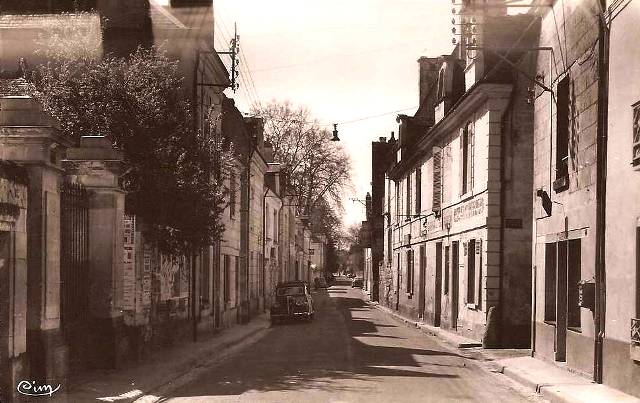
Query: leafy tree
x=174 y=173
x=319 y=169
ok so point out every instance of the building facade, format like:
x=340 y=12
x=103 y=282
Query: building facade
x=566 y=184
x=621 y=346
x=458 y=196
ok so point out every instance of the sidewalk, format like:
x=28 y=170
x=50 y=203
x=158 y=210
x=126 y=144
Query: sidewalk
x=553 y=383
x=165 y=370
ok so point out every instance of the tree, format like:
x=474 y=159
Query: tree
x=174 y=173
x=319 y=169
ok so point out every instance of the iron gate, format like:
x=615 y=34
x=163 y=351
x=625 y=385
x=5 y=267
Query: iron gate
x=74 y=255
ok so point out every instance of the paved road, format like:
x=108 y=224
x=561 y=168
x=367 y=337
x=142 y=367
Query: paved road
x=350 y=353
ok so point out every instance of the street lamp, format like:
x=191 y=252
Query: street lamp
x=335 y=133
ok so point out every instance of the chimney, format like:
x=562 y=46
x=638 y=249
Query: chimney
x=428 y=84
x=268 y=151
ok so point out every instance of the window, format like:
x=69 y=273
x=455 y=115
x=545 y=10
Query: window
x=471 y=271
x=562 y=133
x=205 y=281
x=397 y=201
x=389 y=245
x=418 y=209
x=410 y=271
x=227 y=277
x=437 y=180
x=408 y=201
x=441 y=88
x=446 y=270
x=275 y=225
x=466 y=159
x=636 y=134
x=232 y=194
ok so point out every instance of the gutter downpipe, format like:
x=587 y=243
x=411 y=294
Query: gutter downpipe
x=264 y=240
x=601 y=191
x=506 y=115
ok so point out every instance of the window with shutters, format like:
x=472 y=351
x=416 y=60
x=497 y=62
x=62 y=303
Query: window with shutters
x=418 y=191
x=562 y=135
x=398 y=202
x=474 y=271
x=410 y=271
x=437 y=180
x=408 y=200
x=227 y=278
x=466 y=158
x=232 y=193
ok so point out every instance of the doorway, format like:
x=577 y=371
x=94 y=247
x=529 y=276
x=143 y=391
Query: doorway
x=438 y=286
x=398 y=281
x=562 y=274
x=421 y=281
x=454 y=283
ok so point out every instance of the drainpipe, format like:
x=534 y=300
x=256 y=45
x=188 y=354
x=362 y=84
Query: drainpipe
x=601 y=191
x=264 y=240
x=505 y=123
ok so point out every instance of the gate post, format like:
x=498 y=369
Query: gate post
x=29 y=137
x=13 y=279
x=97 y=166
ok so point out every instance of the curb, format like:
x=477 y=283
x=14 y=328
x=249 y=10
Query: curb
x=193 y=368
x=454 y=340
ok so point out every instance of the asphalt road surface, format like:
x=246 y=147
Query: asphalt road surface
x=350 y=353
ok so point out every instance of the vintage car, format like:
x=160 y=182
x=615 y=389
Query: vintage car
x=292 y=300
x=319 y=282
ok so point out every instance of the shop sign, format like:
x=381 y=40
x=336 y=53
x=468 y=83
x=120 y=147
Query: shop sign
x=472 y=208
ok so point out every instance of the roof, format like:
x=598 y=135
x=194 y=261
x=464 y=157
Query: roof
x=15 y=87
x=43 y=21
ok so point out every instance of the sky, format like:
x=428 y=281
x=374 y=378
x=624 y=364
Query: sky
x=347 y=61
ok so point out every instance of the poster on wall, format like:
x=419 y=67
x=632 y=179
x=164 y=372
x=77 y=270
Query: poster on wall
x=129 y=270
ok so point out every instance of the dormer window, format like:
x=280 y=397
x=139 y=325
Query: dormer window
x=441 y=82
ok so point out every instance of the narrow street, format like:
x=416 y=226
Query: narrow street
x=350 y=353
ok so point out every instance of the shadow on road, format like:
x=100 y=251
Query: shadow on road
x=337 y=352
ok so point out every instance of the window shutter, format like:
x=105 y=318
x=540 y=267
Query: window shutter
x=465 y=266
x=478 y=258
x=437 y=179
x=472 y=141
x=418 y=191
x=462 y=162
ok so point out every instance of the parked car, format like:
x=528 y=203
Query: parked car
x=357 y=282
x=292 y=301
x=319 y=282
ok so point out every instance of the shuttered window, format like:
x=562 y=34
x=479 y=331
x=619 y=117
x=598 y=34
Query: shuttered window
x=466 y=158
x=474 y=271
x=418 y=191
x=410 y=271
x=408 y=201
x=437 y=180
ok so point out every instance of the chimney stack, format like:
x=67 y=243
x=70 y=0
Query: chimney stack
x=428 y=84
